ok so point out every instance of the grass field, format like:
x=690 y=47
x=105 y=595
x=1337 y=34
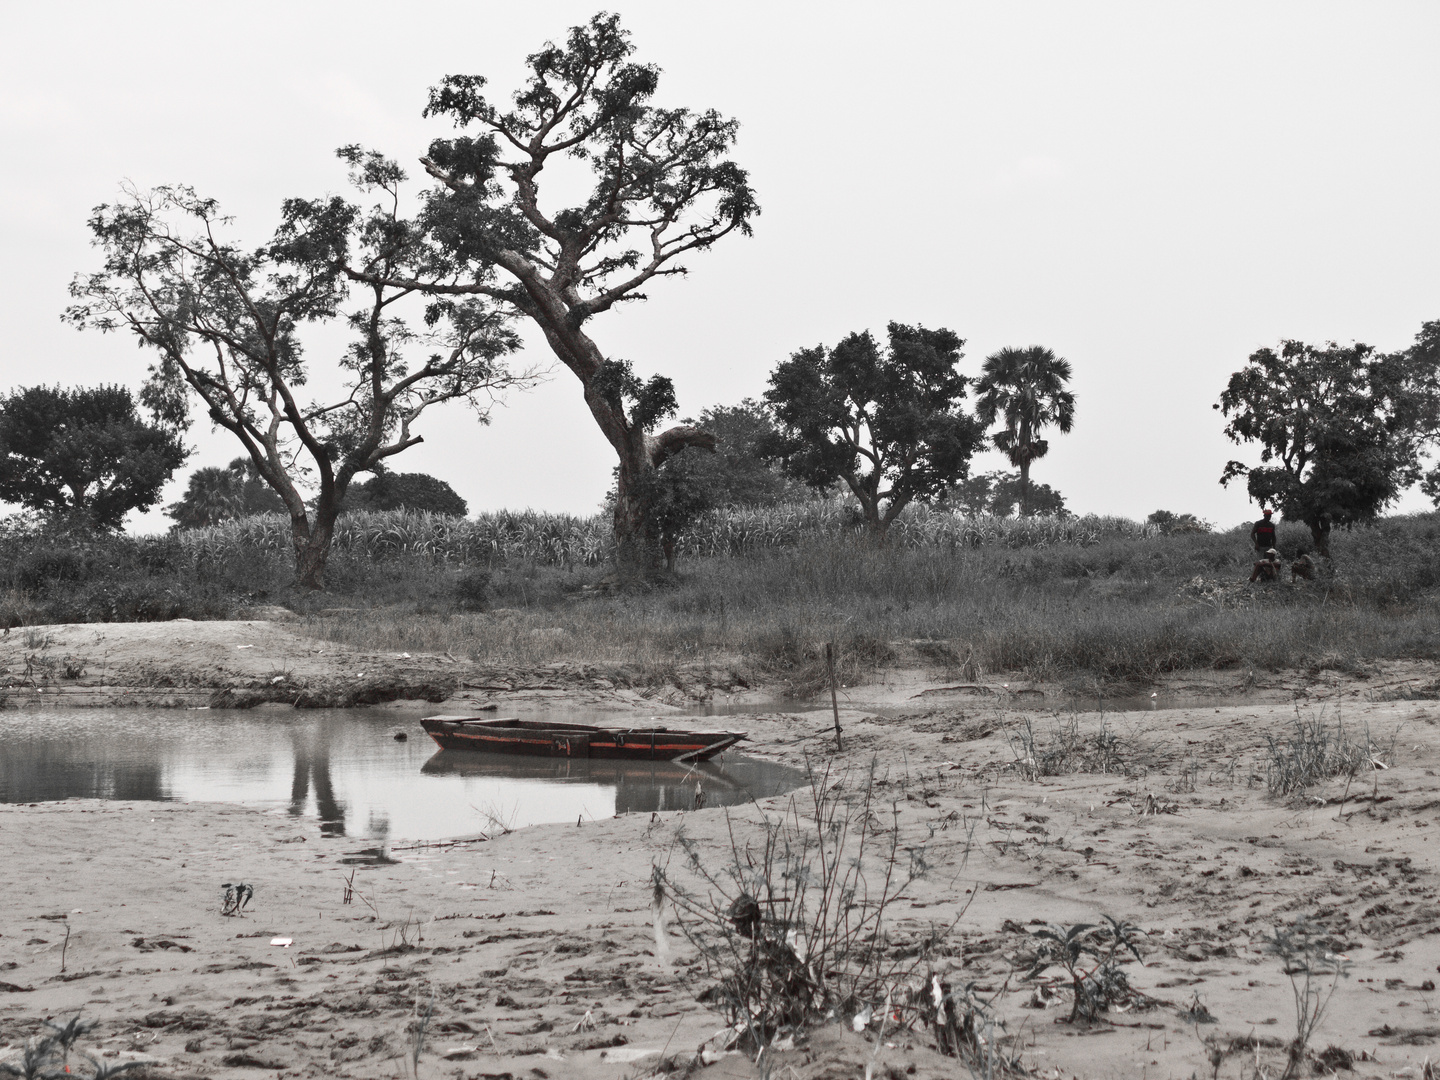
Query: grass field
x=1091 y=599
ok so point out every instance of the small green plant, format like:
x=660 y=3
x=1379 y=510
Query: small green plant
x=965 y=1027
x=1070 y=751
x=37 y=639
x=1314 y=970
x=1091 y=954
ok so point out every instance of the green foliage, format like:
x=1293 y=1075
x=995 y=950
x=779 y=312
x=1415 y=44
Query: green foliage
x=48 y=1056
x=886 y=422
x=215 y=495
x=743 y=470
x=84 y=453
x=472 y=589
x=1340 y=428
x=405 y=491
x=740 y=472
x=646 y=402
x=1316 y=750
x=661 y=178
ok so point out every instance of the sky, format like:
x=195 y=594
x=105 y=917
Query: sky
x=1152 y=190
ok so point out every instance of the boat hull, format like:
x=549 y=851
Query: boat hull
x=541 y=739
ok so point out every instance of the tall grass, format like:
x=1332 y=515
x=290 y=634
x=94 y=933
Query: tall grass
x=774 y=611
x=567 y=540
x=1084 y=599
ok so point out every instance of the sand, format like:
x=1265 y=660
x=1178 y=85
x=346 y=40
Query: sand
x=534 y=954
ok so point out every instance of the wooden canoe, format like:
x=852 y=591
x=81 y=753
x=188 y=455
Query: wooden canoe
x=545 y=738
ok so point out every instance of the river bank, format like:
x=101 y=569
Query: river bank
x=244 y=663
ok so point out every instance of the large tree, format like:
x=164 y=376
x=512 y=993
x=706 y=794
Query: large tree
x=1027 y=388
x=227 y=321
x=888 y=422
x=1340 y=429
x=84 y=453
x=661 y=186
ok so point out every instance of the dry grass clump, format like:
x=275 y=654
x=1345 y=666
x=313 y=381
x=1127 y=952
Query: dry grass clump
x=793 y=928
x=1318 y=750
x=1071 y=750
x=792 y=925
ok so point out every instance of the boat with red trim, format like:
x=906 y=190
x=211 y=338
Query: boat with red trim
x=546 y=738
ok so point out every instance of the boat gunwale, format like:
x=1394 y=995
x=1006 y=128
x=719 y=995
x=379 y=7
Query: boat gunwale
x=515 y=724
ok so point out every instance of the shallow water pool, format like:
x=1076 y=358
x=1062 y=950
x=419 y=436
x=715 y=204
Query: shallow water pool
x=345 y=768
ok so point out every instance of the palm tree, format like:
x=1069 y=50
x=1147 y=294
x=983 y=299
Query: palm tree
x=1027 y=387
x=216 y=495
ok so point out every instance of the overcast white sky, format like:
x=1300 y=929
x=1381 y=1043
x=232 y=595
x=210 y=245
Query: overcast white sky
x=1152 y=190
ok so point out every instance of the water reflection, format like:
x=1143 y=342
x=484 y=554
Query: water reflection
x=312 y=766
x=343 y=767
x=640 y=786
x=36 y=772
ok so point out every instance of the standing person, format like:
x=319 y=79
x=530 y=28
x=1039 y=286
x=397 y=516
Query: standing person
x=1262 y=533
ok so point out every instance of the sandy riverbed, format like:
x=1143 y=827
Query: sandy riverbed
x=535 y=953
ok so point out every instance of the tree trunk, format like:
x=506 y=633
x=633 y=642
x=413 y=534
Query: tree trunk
x=1025 y=486
x=312 y=545
x=868 y=496
x=637 y=540
x=1320 y=533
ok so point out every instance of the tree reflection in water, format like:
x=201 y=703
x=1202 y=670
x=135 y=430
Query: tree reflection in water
x=312 y=767
x=37 y=771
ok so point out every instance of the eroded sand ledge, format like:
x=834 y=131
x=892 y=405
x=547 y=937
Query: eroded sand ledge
x=526 y=934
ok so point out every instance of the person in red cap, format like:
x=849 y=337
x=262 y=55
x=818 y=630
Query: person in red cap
x=1262 y=534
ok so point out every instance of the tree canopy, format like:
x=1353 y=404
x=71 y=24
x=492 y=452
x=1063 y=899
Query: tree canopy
x=84 y=453
x=1025 y=387
x=662 y=187
x=1340 y=429
x=888 y=422
x=227 y=324
x=999 y=493
x=742 y=471
x=213 y=495
x=388 y=490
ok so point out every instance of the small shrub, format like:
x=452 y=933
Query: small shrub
x=1070 y=751
x=472 y=589
x=1315 y=970
x=1091 y=955
x=44 y=566
x=792 y=928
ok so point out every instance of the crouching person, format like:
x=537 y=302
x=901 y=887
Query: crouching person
x=1268 y=568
